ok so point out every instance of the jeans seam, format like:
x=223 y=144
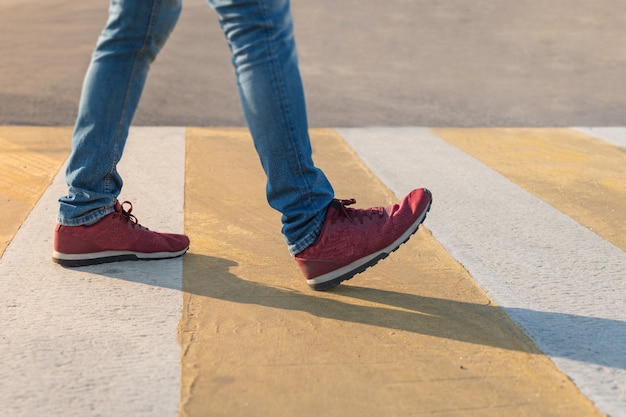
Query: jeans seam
x=123 y=112
x=275 y=71
x=318 y=220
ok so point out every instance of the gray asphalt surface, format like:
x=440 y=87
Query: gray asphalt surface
x=364 y=63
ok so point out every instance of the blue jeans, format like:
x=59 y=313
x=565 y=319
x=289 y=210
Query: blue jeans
x=260 y=36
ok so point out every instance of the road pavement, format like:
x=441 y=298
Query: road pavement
x=409 y=63
x=509 y=301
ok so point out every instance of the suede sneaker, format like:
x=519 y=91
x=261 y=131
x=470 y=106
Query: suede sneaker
x=116 y=237
x=352 y=240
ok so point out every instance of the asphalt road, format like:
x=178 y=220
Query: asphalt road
x=407 y=63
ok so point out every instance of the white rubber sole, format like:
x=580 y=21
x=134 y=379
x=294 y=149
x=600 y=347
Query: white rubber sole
x=84 y=259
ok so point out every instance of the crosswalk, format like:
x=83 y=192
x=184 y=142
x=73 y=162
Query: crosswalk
x=509 y=302
x=557 y=279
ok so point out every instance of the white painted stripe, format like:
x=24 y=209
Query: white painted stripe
x=615 y=135
x=99 y=340
x=561 y=283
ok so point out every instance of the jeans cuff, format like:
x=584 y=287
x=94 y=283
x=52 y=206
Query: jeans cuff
x=86 y=220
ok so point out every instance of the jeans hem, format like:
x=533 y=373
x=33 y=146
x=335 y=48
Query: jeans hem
x=309 y=239
x=88 y=219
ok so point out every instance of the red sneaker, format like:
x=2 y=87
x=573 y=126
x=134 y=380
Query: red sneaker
x=354 y=239
x=116 y=237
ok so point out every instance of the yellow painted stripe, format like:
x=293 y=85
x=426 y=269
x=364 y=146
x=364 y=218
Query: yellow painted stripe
x=30 y=157
x=583 y=177
x=415 y=335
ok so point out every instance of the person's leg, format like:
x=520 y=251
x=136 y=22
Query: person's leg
x=134 y=34
x=260 y=35
x=331 y=242
x=93 y=226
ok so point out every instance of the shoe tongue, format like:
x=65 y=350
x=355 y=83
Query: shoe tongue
x=118 y=206
x=340 y=209
x=336 y=204
x=340 y=205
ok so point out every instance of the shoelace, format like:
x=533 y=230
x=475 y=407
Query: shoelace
x=127 y=214
x=351 y=214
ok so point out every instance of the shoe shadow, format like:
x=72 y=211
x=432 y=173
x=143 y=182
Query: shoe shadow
x=584 y=339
